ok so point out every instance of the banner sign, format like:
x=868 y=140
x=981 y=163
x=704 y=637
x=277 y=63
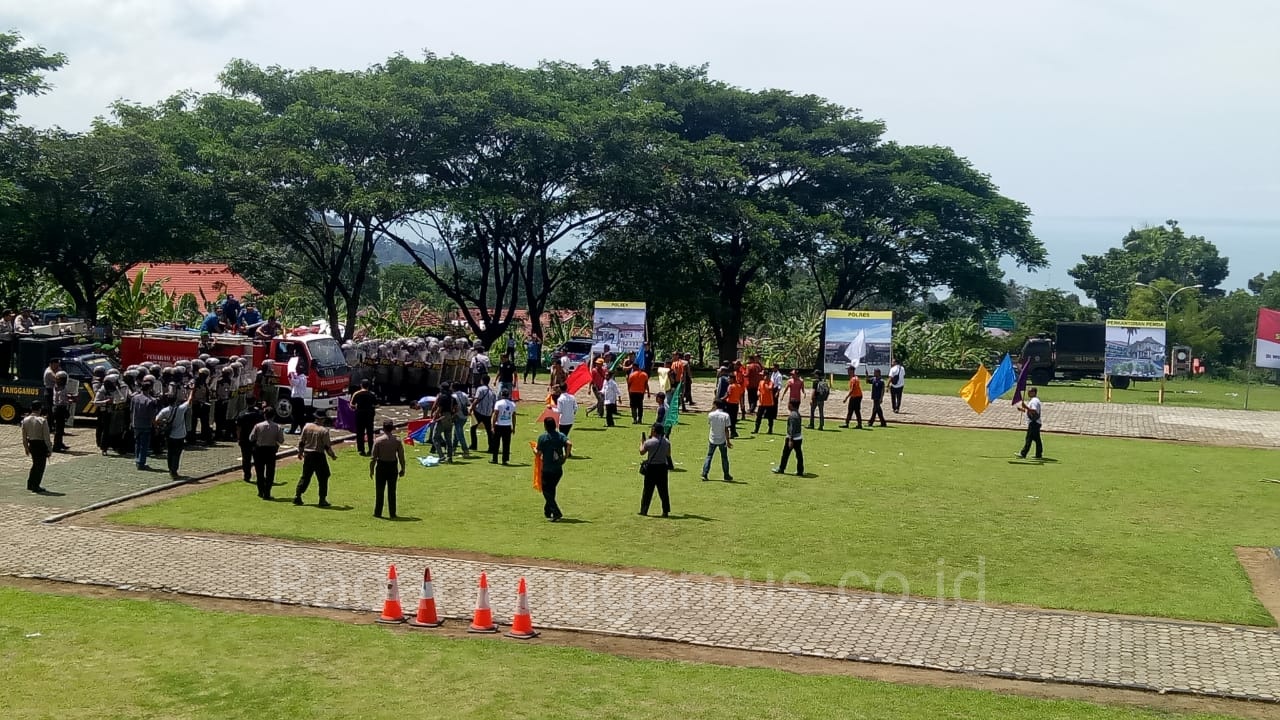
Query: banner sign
x=620 y=325
x=858 y=337
x=1135 y=348
x=1268 y=355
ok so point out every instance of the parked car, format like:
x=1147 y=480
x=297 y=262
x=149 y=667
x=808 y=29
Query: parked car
x=578 y=350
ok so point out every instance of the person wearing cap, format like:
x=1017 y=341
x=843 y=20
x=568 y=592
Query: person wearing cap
x=504 y=427
x=250 y=315
x=142 y=416
x=37 y=446
x=385 y=457
x=315 y=447
x=266 y=437
x=598 y=375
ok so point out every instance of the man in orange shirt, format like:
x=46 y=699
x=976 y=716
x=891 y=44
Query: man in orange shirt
x=678 y=370
x=768 y=408
x=854 y=398
x=755 y=373
x=637 y=390
x=733 y=398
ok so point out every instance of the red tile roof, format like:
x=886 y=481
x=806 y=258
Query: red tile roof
x=213 y=279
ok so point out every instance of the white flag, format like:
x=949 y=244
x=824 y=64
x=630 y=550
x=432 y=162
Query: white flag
x=857 y=349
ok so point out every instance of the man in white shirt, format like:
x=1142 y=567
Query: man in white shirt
x=567 y=406
x=1033 y=410
x=297 y=401
x=718 y=423
x=174 y=418
x=897 y=381
x=504 y=426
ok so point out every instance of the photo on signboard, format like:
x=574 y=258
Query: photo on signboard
x=1135 y=348
x=864 y=337
x=620 y=325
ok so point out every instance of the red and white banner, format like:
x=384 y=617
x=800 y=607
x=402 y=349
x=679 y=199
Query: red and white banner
x=1268 y=339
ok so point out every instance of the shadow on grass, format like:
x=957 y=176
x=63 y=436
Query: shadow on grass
x=336 y=508
x=1032 y=461
x=572 y=521
x=405 y=518
x=688 y=516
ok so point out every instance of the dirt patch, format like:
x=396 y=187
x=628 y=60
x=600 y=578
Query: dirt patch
x=1263 y=569
x=670 y=651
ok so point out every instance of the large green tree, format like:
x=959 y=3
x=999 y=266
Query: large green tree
x=22 y=72
x=1145 y=255
x=87 y=206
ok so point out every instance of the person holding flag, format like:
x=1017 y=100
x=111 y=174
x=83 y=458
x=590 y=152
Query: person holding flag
x=1033 y=410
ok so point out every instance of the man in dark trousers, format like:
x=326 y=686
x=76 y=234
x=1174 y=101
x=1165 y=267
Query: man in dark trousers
x=553 y=447
x=877 y=400
x=37 y=444
x=363 y=402
x=385 y=457
x=504 y=428
x=267 y=437
x=246 y=421
x=313 y=447
x=481 y=413
x=1033 y=410
x=794 y=442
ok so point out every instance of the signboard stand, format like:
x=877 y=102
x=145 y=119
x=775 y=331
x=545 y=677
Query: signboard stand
x=856 y=337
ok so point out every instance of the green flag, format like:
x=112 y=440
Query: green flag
x=617 y=360
x=673 y=410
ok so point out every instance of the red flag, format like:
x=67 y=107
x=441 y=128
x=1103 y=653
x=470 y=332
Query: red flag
x=1268 y=345
x=578 y=379
x=1022 y=381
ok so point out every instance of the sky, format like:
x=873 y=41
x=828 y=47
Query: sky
x=1100 y=115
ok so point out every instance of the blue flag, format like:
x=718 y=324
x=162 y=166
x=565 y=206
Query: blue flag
x=639 y=362
x=1002 y=380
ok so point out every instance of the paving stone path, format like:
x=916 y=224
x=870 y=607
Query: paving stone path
x=1150 y=654
x=1159 y=655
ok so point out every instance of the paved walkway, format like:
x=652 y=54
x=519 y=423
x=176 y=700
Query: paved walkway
x=1027 y=644
x=1036 y=645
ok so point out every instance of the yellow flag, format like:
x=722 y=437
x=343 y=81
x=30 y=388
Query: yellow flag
x=975 y=391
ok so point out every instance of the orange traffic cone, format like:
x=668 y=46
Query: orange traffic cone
x=522 y=623
x=426 y=605
x=482 y=621
x=515 y=391
x=392 y=613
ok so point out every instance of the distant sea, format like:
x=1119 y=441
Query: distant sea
x=1253 y=246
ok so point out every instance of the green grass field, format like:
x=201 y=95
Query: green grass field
x=1179 y=393
x=1111 y=525
x=138 y=659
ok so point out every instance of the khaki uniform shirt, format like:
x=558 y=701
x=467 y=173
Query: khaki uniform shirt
x=36 y=429
x=315 y=439
x=388 y=448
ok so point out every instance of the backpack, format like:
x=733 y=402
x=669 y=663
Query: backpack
x=822 y=390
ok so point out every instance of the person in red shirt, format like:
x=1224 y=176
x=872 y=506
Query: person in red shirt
x=795 y=387
x=599 y=374
x=854 y=398
x=637 y=391
x=768 y=407
x=755 y=373
x=733 y=398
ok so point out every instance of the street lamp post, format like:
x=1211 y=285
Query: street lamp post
x=1168 y=305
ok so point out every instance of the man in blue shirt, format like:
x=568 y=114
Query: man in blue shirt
x=211 y=324
x=250 y=315
x=532 y=357
x=231 y=310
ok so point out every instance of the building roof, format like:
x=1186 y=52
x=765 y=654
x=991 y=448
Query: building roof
x=212 y=279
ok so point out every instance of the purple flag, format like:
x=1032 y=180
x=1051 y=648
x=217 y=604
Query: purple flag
x=346 y=419
x=1022 y=381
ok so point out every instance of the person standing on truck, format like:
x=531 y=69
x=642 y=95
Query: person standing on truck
x=37 y=446
x=230 y=312
x=897 y=382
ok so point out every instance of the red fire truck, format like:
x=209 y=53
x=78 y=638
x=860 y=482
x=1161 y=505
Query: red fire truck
x=328 y=375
